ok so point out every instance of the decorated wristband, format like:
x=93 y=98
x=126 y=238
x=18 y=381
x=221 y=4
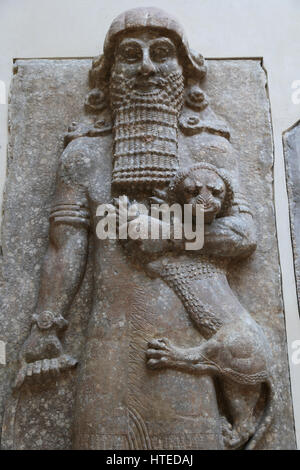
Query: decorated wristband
x=47 y=319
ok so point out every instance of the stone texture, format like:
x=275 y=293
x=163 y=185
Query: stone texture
x=291 y=146
x=46 y=96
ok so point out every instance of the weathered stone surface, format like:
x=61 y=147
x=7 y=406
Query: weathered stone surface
x=171 y=355
x=291 y=146
x=46 y=96
x=44 y=101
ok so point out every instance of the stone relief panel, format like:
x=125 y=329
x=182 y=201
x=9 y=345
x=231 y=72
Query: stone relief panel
x=291 y=147
x=141 y=343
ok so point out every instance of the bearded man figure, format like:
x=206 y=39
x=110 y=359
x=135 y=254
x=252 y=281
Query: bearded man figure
x=145 y=108
x=149 y=117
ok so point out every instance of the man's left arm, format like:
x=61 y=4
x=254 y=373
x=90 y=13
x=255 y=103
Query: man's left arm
x=232 y=236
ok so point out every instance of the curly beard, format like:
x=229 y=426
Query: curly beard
x=145 y=131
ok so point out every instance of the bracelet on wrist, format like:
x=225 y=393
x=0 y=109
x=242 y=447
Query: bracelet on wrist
x=47 y=319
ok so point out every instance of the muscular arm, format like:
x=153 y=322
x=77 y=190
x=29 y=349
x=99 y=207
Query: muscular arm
x=63 y=267
x=232 y=236
x=65 y=260
x=62 y=272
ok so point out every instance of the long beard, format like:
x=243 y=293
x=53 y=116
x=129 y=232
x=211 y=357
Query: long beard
x=145 y=132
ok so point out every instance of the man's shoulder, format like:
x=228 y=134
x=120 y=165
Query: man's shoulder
x=83 y=156
x=92 y=147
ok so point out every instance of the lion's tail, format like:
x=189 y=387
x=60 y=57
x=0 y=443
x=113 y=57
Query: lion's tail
x=266 y=418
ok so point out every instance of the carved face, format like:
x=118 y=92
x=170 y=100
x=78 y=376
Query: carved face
x=205 y=187
x=146 y=59
x=146 y=97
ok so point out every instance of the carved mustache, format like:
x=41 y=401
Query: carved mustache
x=155 y=80
x=158 y=81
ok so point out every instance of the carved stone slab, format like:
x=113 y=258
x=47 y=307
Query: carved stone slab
x=291 y=145
x=46 y=96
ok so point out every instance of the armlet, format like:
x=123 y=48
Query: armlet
x=72 y=214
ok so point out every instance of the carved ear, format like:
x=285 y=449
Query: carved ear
x=229 y=196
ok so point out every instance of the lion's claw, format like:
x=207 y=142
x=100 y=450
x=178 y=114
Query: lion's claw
x=161 y=353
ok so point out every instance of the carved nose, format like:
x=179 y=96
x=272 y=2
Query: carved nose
x=147 y=66
x=205 y=199
x=200 y=199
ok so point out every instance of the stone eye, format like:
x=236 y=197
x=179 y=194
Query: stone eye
x=160 y=53
x=192 y=190
x=217 y=191
x=131 y=53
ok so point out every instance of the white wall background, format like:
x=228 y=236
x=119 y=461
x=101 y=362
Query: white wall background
x=218 y=28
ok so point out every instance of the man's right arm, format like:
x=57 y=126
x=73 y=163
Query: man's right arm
x=62 y=272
